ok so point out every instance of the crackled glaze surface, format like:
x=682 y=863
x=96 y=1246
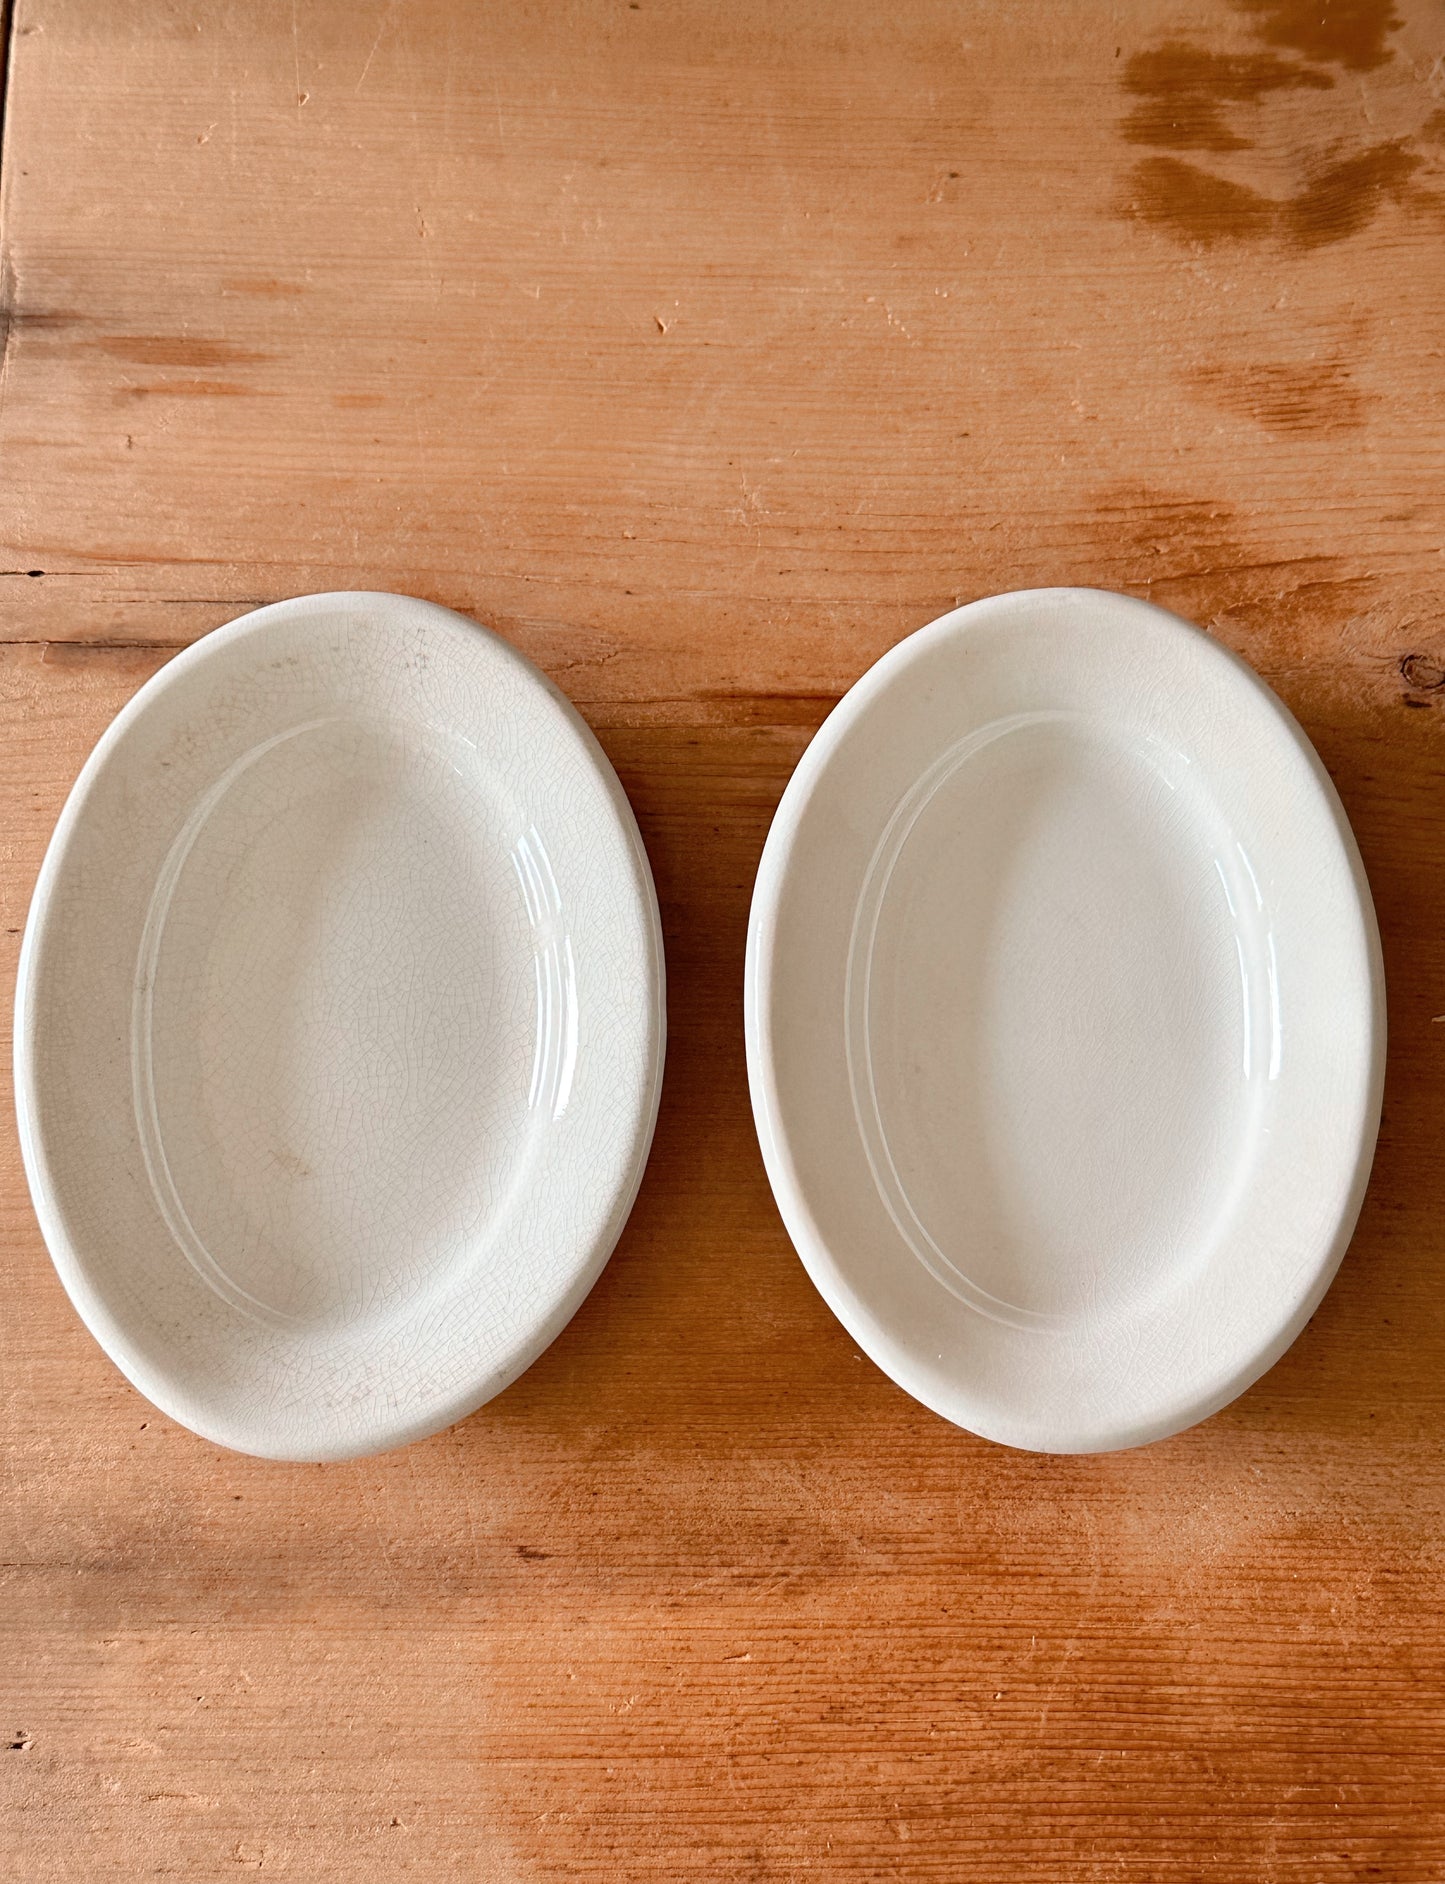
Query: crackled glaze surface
x=341 y=1026
x=1065 y=1020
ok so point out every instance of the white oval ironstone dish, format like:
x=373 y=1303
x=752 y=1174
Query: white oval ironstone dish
x=1065 y=1020
x=339 y=1028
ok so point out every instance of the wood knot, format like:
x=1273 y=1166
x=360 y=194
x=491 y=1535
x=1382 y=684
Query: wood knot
x=1423 y=672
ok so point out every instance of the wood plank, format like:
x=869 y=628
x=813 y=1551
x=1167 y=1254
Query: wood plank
x=705 y=352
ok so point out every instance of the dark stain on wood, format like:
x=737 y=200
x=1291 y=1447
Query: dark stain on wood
x=190 y=389
x=1179 y=93
x=1197 y=206
x=17 y=321
x=1182 y=90
x=1316 y=396
x=1339 y=200
x=1343 y=197
x=40 y=320
x=357 y=402
x=177 y=350
x=1348 y=33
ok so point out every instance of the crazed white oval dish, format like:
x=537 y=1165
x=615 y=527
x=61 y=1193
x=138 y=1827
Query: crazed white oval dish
x=339 y=1027
x=1065 y=1020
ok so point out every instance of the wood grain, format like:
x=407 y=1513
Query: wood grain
x=705 y=352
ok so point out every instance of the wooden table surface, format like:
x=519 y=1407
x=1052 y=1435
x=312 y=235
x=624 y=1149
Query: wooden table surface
x=704 y=350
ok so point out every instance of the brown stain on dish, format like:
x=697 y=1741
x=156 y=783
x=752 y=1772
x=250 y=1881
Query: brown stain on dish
x=1182 y=90
x=1316 y=397
x=1348 y=33
x=176 y=350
